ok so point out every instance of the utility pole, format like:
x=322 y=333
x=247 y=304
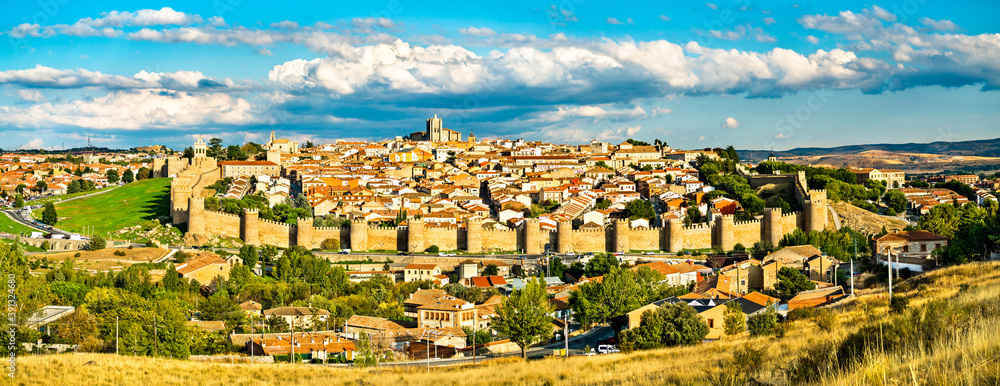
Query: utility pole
x=566 y=331
x=475 y=330
x=116 y=335
x=292 y=357
x=889 y=251
x=852 y=264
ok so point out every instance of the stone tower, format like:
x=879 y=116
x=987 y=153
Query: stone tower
x=250 y=224
x=200 y=148
x=196 y=218
x=359 y=235
x=473 y=235
x=532 y=237
x=415 y=235
x=725 y=232
x=621 y=229
x=675 y=235
x=815 y=210
x=304 y=232
x=771 y=230
x=472 y=138
x=434 y=126
x=564 y=236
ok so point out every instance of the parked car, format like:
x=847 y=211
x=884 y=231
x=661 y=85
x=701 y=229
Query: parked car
x=344 y=251
x=402 y=254
x=570 y=254
x=649 y=253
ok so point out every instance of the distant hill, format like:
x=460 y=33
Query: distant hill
x=982 y=148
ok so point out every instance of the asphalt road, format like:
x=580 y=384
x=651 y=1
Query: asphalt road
x=576 y=346
x=26 y=220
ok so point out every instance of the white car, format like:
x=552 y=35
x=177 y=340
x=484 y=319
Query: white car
x=570 y=254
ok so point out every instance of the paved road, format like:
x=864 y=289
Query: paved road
x=576 y=345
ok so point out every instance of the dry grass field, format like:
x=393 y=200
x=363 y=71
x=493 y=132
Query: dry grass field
x=105 y=259
x=969 y=355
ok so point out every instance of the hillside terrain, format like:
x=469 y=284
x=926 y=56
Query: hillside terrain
x=949 y=334
x=126 y=206
x=982 y=148
x=864 y=221
x=914 y=158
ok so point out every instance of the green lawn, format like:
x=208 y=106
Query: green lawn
x=65 y=197
x=10 y=226
x=128 y=205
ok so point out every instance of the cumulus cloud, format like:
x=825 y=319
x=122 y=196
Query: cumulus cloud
x=938 y=25
x=594 y=113
x=285 y=24
x=614 y=21
x=477 y=31
x=730 y=123
x=31 y=95
x=34 y=144
x=109 y=23
x=769 y=21
x=742 y=32
x=133 y=110
x=560 y=16
x=664 y=18
x=47 y=77
x=712 y=6
x=812 y=39
x=658 y=111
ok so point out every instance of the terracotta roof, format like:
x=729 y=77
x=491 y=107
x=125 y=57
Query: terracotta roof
x=421 y=266
x=911 y=236
x=200 y=262
x=247 y=163
x=373 y=323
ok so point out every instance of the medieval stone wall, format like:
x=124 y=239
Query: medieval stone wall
x=275 y=233
x=445 y=238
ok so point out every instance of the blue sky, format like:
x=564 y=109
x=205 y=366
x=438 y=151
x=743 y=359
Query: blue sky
x=755 y=75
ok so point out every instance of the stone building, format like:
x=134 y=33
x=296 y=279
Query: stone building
x=914 y=244
x=205 y=268
x=436 y=132
x=249 y=168
x=281 y=145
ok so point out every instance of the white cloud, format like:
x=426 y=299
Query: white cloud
x=658 y=111
x=780 y=136
x=34 y=144
x=48 y=77
x=938 y=25
x=769 y=21
x=590 y=112
x=285 y=24
x=812 y=39
x=730 y=123
x=712 y=6
x=477 y=31
x=664 y=18
x=132 y=110
x=380 y=22
x=743 y=31
x=701 y=138
x=614 y=21
x=31 y=95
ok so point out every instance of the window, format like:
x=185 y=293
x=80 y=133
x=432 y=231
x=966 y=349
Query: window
x=938 y=245
x=906 y=248
x=711 y=323
x=923 y=247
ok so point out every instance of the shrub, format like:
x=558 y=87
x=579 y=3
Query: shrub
x=763 y=324
x=330 y=244
x=815 y=362
x=45 y=245
x=825 y=319
x=801 y=313
x=76 y=254
x=97 y=243
x=433 y=249
x=129 y=247
x=152 y=244
x=875 y=338
x=898 y=304
x=739 y=248
x=119 y=253
x=181 y=257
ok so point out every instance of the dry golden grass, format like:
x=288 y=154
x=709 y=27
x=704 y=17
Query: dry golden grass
x=972 y=358
x=105 y=259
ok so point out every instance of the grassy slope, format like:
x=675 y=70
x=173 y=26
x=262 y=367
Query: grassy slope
x=10 y=226
x=971 y=358
x=125 y=206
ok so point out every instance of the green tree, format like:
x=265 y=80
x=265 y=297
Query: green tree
x=637 y=209
x=144 y=173
x=128 y=177
x=112 y=176
x=49 y=215
x=895 y=200
x=248 y=253
x=763 y=323
x=366 y=354
x=791 y=282
x=221 y=307
x=491 y=270
x=669 y=325
x=97 y=243
x=601 y=264
x=524 y=316
x=215 y=149
x=41 y=186
x=18 y=201
x=735 y=321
